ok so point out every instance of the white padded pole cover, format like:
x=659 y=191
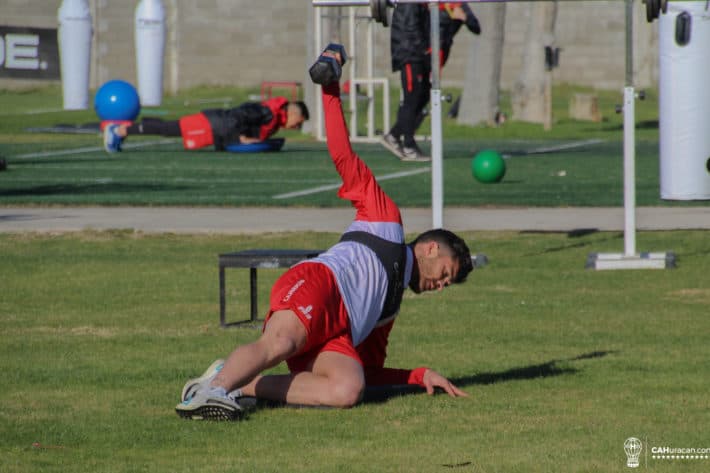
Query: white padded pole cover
x=684 y=90
x=74 y=37
x=150 y=51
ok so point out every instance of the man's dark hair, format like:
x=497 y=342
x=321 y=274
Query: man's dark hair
x=304 y=110
x=454 y=243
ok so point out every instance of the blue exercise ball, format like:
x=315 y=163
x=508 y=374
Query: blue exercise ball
x=117 y=100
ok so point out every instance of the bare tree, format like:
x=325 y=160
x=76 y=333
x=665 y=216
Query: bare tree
x=479 y=100
x=531 y=95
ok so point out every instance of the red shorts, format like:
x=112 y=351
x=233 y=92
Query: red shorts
x=196 y=131
x=311 y=292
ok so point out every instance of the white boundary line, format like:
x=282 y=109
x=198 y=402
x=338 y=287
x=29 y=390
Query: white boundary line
x=551 y=149
x=315 y=190
x=32 y=112
x=92 y=149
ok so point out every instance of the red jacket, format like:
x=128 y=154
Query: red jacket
x=278 y=107
x=220 y=127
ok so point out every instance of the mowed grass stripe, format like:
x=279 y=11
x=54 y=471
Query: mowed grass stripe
x=183 y=179
x=71 y=152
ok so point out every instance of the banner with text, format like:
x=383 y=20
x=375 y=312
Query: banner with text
x=29 y=53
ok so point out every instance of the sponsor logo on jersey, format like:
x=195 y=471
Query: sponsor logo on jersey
x=293 y=290
x=306 y=311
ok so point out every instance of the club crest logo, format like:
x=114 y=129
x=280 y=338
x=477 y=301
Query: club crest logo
x=632 y=447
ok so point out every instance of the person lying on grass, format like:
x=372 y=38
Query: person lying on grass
x=330 y=316
x=248 y=123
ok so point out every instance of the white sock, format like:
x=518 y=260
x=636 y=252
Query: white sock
x=218 y=391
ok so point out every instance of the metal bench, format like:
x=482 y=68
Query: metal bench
x=254 y=259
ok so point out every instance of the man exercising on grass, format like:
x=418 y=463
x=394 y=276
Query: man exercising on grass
x=251 y=122
x=330 y=316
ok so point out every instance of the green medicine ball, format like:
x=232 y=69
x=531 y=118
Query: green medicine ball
x=488 y=166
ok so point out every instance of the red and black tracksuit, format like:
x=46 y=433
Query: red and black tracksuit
x=410 y=49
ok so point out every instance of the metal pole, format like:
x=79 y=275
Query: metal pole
x=629 y=139
x=354 y=60
x=437 y=171
x=174 y=47
x=370 y=75
x=318 y=36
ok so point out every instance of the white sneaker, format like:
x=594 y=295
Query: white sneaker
x=112 y=141
x=413 y=154
x=211 y=403
x=392 y=144
x=203 y=381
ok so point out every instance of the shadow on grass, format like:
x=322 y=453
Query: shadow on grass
x=382 y=394
x=576 y=233
x=640 y=125
x=108 y=188
x=19 y=162
x=378 y=394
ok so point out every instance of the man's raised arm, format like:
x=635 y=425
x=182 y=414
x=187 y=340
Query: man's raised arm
x=359 y=184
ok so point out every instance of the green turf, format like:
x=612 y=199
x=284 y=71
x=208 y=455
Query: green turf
x=73 y=169
x=100 y=330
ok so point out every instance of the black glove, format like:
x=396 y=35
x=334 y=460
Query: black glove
x=471 y=20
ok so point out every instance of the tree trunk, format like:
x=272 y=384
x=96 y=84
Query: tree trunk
x=531 y=95
x=479 y=100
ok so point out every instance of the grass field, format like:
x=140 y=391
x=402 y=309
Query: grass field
x=100 y=331
x=72 y=169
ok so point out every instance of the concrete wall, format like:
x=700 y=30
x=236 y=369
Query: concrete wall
x=242 y=42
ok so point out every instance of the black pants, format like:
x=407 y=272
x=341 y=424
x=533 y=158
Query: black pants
x=155 y=126
x=416 y=87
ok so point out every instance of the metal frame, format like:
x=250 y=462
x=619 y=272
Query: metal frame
x=254 y=259
x=385 y=83
x=368 y=79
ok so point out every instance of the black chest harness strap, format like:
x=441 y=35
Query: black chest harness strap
x=393 y=257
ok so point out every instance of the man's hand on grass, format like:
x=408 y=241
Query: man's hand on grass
x=432 y=380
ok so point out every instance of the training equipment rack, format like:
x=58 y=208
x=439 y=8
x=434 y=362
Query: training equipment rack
x=630 y=259
x=356 y=78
